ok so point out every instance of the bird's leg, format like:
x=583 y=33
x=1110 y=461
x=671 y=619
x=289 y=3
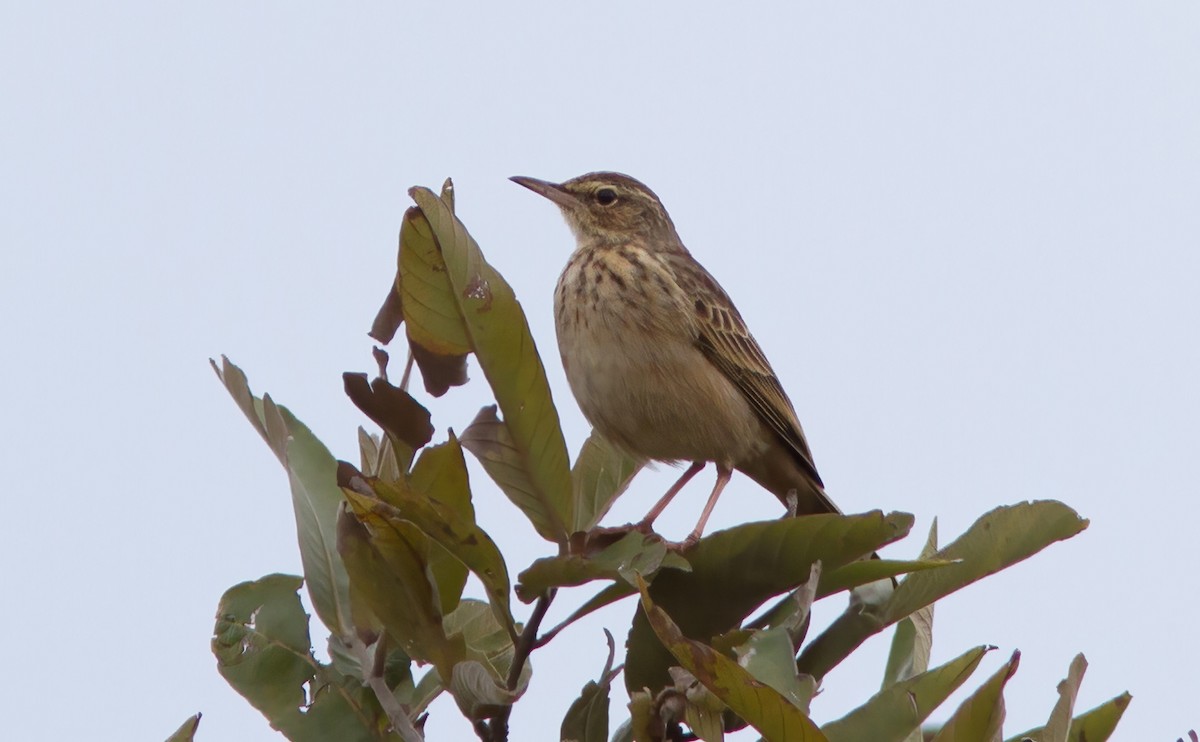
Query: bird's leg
x=648 y=522
x=724 y=473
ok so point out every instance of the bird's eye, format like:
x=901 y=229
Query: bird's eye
x=606 y=197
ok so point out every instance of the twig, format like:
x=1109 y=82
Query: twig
x=497 y=728
x=374 y=667
x=408 y=364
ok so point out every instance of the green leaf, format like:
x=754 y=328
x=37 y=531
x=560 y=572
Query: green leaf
x=398 y=505
x=736 y=570
x=892 y=714
x=315 y=496
x=262 y=647
x=488 y=438
x=643 y=726
x=428 y=688
x=378 y=457
x=435 y=329
x=1058 y=727
x=1096 y=725
x=434 y=319
x=488 y=641
x=866 y=571
x=609 y=595
x=634 y=553
x=393 y=409
x=587 y=718
x=601 y=474
x=478 y=694
x=386 y=564
x=761 y=706
x=981 y=716
x=186 y=731
x=705 y=713
x=999 y=539
x=500 y=338
x=769 y=657
x=913 y=638
x=441 y=475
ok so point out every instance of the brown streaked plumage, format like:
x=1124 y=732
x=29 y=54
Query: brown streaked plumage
x=657 y=355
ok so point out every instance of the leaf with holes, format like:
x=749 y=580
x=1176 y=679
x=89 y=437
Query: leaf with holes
x=316 y=497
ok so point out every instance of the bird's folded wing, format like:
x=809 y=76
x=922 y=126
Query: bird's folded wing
x=725 y=341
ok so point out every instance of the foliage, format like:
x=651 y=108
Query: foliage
x=388 y=543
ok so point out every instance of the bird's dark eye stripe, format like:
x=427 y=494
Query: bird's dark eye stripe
x=606 y=196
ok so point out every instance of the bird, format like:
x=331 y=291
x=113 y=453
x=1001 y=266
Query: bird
x=660 y=360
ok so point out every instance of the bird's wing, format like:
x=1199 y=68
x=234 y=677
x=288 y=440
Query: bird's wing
x=725 y=341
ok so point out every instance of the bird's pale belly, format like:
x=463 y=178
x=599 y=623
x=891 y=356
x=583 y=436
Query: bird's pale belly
x=641 y=392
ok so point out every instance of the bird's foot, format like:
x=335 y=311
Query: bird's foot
x=601 y=537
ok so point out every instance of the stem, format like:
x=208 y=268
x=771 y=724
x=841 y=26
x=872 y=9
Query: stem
x=408 y=364
x=528 y=640
x=395 y=712
x=497 y=729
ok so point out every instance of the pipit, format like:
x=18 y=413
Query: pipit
x=659 y=358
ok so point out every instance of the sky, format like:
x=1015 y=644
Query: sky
x=966 y=237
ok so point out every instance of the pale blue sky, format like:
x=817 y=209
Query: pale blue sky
x=966 y=237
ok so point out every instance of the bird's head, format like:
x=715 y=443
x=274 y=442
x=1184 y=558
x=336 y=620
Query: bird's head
x=608 y=208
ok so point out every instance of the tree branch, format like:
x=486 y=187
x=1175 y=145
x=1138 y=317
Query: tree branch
x=373 y=668
x=497 y=727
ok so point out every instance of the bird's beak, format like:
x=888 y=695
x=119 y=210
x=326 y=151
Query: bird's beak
x=552 y=191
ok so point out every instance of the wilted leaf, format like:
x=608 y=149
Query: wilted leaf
x=999 y=539
x=390 y=315
x=392 y=408
x=315 y=496
x=736 y=570
x=186 y=731
x=500 y=338
x=896 y=711
x=761 y=706
x=587 y=718
x=635 y=553
x=601 y=473
x=981 y=716
x=262 y=647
